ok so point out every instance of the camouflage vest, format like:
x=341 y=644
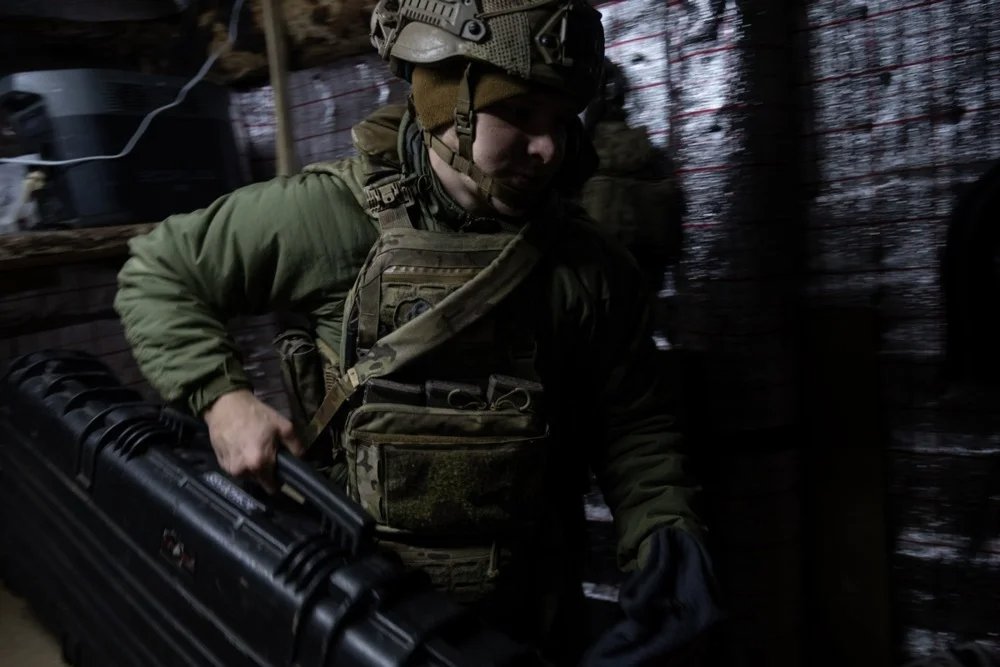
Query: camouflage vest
x=435 y=407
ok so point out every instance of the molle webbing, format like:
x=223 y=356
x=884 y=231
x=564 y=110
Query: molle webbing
x=431 y=328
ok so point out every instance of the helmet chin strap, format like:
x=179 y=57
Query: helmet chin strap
x=465 y=128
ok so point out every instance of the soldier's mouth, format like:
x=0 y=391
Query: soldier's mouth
x=524 y=181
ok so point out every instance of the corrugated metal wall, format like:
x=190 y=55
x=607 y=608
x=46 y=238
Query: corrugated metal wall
x=326 y=102
x=730 y=74
x=820 y=147
x=905 y=108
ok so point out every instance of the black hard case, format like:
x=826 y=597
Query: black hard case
x=138 y=550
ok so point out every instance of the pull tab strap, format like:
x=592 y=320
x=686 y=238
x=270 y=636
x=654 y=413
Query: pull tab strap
x=343 y=388
x=455 y=312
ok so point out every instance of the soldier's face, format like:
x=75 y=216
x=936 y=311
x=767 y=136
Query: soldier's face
x=521 y=141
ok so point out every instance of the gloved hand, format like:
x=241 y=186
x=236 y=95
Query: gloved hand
x=668 y=605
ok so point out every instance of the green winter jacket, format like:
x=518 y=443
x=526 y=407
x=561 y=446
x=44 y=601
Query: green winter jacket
x=295 y=244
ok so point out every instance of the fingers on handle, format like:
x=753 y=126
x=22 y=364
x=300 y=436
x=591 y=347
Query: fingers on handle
x=260 y=465
x=287 y=436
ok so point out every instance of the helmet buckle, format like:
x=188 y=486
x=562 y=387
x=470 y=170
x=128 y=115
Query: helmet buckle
x=463 y=122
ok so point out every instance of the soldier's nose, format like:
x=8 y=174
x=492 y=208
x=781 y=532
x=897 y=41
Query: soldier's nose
x=544 y=147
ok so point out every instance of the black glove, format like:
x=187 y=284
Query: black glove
x=668 y=605
x=972 y=654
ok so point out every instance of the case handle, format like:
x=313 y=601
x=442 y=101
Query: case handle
x=345 y=519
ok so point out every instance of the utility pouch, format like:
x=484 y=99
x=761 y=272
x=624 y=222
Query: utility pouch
x=504 y=392
x=457 y=395
x=443 y=471
x=387 y=391
x=301 y=373
x=308 y=370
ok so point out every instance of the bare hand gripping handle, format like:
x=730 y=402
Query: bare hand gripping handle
x=343 y=518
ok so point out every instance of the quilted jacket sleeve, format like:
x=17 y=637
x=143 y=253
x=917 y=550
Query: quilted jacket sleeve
x=641 y=467
x=288 y=243
x=636 y=451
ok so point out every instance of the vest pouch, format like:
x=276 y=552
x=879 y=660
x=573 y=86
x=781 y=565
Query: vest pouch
x=444 y=471
x=301 y=373
x=308 y=372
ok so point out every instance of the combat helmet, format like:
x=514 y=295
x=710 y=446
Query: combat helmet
x=555 y=43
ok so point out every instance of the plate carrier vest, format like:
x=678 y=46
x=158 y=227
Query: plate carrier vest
x=436 y=406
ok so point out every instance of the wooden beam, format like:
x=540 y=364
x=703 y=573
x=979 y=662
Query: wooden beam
x=51 y=248
x=318 y=32
x=277 y=64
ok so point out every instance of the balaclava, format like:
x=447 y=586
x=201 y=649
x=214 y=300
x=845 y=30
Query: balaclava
x=435 y=89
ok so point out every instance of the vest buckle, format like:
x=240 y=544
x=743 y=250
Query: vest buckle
x=386 y=196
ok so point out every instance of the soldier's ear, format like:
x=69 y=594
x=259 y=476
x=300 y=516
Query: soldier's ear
x=580 y=161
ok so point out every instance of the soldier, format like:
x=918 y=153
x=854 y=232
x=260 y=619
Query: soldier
x=481 y=343
x=632 y=194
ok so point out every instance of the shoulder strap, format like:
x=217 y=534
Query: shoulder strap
x=423 y=333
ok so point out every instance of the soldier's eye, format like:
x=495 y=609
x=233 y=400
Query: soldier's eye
x=520 y=113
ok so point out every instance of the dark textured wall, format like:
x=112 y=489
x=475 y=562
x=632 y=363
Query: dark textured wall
x=903 y=104
x=821 y=146
x=730 y=73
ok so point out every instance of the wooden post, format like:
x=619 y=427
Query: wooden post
x=277 y=63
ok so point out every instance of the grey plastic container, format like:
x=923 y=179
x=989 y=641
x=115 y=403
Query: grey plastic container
x=186 y=158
